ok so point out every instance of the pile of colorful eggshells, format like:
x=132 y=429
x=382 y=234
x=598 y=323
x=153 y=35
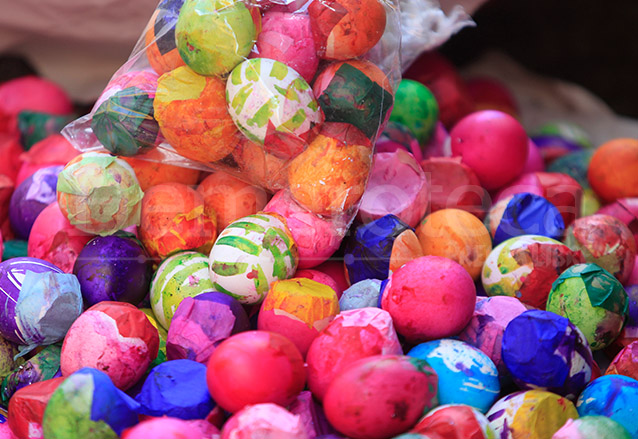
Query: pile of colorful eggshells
x=488 y=286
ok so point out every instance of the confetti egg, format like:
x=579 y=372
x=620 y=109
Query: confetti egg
x=40 y=302
x=264 y=420
x=41 y=367
x=214 y=36
x=626 y=210
x=533 y=414
x=525 y=267
x=458 y=235
x=27 y=407
x=175 y=217
x=416 y=108
x=614 y=396
x=161 y=48
x=167 y=428
x=255 y=367
x=351 y=336
x=612 y=170
x=272 y=105
x=466 y=375
x=593 y=300
x=545 y=351
x=87 y=404
x=455 y=421
x=592 y=427
x=251 y=254
x=99 y=193
x=626 y=362
x=191 y=112
x=113 y=337
x=605 y=241
x=298 y=309
x=182 y=275
x=380 y=396
x=345 y=29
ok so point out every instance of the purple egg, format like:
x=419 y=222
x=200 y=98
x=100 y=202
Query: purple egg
x=31 y=197
x=201 y=323
x=12 y=275
x=113 y=268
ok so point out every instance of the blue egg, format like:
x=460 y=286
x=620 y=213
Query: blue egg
x=614 y=396
x=466 y=375
x=363 y=294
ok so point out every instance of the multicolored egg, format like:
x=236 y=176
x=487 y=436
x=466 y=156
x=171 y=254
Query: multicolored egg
x=161 y=48
x=272 y=105
x=416 y=108
x=380 y=396
x=466 y=375
x=626 y=210
x=525 y=267
x=455 y=421
x=545 y=351
x=534 y=414
x=182 y=275
x=41 y=367
x=99 y=193
x=113 y=337
x=251 y=254
x=592 y=427
x=593 y=300
x=214 y=36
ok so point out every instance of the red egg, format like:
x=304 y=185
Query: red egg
x=26 y=408
x=255 y=367
x=381 y=396
x=10 y=150
x=493 y=144
x=6 y=190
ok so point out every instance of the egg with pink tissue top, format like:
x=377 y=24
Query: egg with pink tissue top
x=168 y=428
x=493 y=144
x=264 y=421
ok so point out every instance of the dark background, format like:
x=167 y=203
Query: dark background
x=591 y=43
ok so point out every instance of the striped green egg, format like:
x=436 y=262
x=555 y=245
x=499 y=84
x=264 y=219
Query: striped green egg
x=181 y=275
x=250 y=254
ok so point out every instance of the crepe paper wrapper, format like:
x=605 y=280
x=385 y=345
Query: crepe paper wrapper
x=114 y=268
x=592 y=427
x=53 y=150
x=613 y=396
x=397 y=186
x=525 y=267
x=312 y=416
x=545 y=351
x=626 y=210
x=14 y=249
x=352 y=335
x=455 y=421
x=35 y=126
x=31 y=197
x=605 y=241
x=45 y=365
x=181 y=275
x=454 y=185
x=532 y=413
x=169 y=428
x=255 y=367
x=163 y=335
x=201 y=323
x=487 y=325
x=524 y=214
x=27 y=407
x=559 y=189
x=298 y=309
x=99 y=193
x=593 y=300
x=251 y=254
x=55 y=240
x=367 y=253
x=466 y=374
x=316 y=237
x=176 y=389
x=113 y=337
x=265 y=420
x=87 y=404
x=424 y=303
x=363 y=294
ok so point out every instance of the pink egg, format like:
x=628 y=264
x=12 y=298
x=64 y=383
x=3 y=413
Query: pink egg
x=55 y=240
x=534 y=162
x=50 y=151
x=351 y=336
x=5 y=432
x=287 y=37
x=493 y=144
x=318 y=276
x=317 y=238
x=264 y=421
x=430 y=297
x=396 y=186
x=113 y=337
x=165 y=428
x=381 y=396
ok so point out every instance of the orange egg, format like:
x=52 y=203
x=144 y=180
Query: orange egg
x=153 y=173
x=613 y=170
x=259 y=167
x=457 y=235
